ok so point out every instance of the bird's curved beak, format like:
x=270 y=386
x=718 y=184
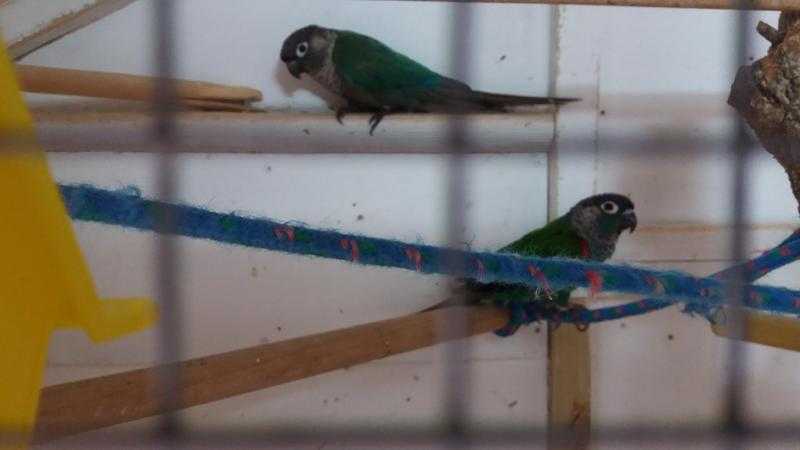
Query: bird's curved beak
x=294 y=69
x=628 y=221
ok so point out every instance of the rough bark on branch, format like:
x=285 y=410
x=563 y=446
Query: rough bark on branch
x=767 y=95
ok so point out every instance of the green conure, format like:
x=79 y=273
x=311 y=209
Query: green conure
x=589 y=231
x=372 y=77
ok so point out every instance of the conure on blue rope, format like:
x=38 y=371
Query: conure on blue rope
x=372 y=77
x=589 y=231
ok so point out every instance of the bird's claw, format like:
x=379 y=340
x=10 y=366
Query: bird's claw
x=521 y=313
x=527 y=312
x=544 y=292
x=575 y=312
x=340 y=113
x=374 y=121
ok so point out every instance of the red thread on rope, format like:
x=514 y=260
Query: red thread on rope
x=784 y=250
x=540 y=277
x=284 y=232
x=352 y=245
x=415 y=257
x=658 y=287
x=595 y=282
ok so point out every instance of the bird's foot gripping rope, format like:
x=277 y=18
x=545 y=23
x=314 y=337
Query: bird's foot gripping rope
x=526 y=312
x=128 y=209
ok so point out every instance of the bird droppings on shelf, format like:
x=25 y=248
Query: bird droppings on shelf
x=622 y=325
x=512 y=404
x=416 y=377
x=280 y=329
x=408 y=399
x=269 y=169
x=670 y=337
x=306 y=131
x=355 y=204
x=341 y=311
x=325 y=401
x=360 y=217
x=335 y=399
x=602 y=112
x=537 y=330
x=502 y=58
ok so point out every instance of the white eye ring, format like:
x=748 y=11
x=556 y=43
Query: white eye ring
x=609 y=207
x=302 y=49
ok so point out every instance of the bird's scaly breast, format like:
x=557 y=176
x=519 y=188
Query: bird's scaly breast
x=328 y=78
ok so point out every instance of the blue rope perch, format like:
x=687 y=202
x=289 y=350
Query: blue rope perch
x=128 y=209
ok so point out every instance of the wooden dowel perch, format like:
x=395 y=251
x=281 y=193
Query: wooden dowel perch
x=766 y=329
x=90 y=404
x=49 y=80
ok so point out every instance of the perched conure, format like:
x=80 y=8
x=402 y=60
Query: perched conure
x=372 y=77
x=589 y=231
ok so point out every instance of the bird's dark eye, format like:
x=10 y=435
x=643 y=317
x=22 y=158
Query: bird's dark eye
x=609 y=207
x=302 y=49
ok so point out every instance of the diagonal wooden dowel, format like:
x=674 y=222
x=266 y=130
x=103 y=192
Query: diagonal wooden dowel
x=122 y=86
x=52 y=25
x=95 y=403
x=765 y=329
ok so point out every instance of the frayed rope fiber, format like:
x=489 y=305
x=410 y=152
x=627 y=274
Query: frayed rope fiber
x=128 y=209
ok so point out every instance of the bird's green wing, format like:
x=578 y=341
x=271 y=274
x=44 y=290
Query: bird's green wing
x=379 y=74
x=557 y=238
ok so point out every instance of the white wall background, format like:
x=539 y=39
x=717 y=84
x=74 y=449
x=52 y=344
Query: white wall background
x=644 y=74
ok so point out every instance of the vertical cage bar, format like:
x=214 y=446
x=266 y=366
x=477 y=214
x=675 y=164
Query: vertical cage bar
x=734 y=407
x=167 y=262
x=457 y=370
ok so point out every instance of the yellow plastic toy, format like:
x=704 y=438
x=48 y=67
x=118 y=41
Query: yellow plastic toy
x=44 y=282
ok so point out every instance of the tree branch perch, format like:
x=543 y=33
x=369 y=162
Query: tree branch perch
x=767 y=95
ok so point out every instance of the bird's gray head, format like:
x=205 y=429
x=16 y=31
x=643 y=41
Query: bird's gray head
x=306 y=50
x=601 y=218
